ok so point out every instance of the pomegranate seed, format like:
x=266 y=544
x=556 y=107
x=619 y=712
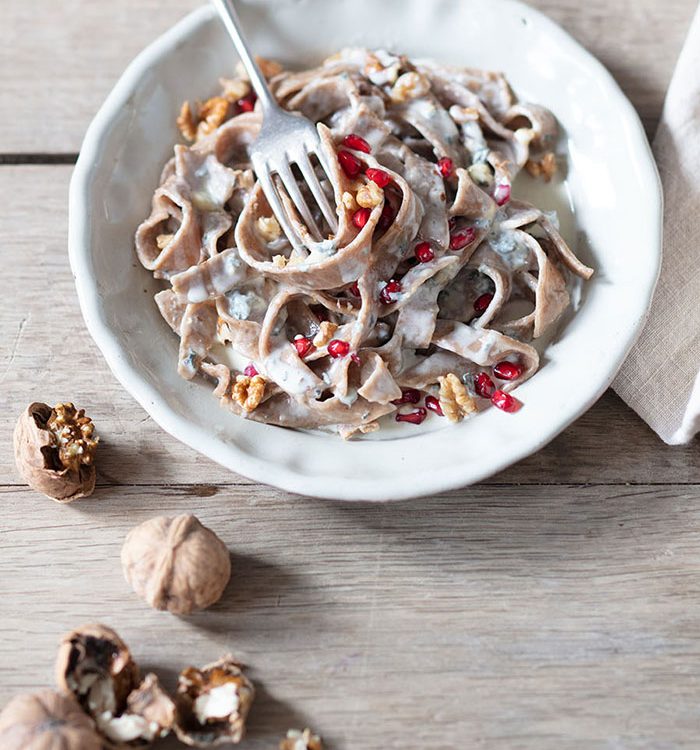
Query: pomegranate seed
x=303 y=346
x=378 y=176
x=508 y=370
x=414 y=417
x=483 y=385
x=388 y=294
x=247 y=104
x=408 y=396
x=434 y=405
x=357 y=143
x=502 y=193
x=354 y=289
x=338 y=348
x=446 y=167
x=356 y=358
x=506 y=402
x=361 y=217
x=250 y=371
x=481 y=303
x=424 y=253
x=351 y=165
x=462 y=238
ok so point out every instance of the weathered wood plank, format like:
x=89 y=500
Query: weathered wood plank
x=46 y=354
x=58 y=61
x=529 y=618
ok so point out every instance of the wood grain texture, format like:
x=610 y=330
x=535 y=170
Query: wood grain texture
x=55 y=74
x=555 y=606
x=557 y=617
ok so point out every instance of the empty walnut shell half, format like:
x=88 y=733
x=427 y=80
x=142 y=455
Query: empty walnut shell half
x=213 y=703
x=96 y=667
x=54 y=451
x=46 y=720
x=176 y=564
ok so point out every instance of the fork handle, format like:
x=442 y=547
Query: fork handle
x=228 y=15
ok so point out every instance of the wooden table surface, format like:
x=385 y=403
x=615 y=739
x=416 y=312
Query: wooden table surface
x=556 y=605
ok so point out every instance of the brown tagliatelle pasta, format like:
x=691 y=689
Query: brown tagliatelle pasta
x=409 y=302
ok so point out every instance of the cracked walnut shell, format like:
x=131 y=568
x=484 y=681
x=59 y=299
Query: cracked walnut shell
x=213 y=703
x=55 y=449
x=176 y=564
x=95 y=666
x=47 y=720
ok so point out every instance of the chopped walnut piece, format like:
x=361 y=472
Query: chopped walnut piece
x=212 y=114
x=297 y=740
x=481 y=173
x=409 y=86
x=234 y=89
x=455 y=401
x=325 y=334
x=279 y=261
x=269 y=228
x=248 y=392
x=370 y=195
x=349 y=201
x=463 y=114
x=545 y=167
x=186 y=122
x=163 y=240
x=75 y=435
x=269 y=68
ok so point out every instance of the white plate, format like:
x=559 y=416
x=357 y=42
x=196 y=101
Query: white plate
x=611 y=176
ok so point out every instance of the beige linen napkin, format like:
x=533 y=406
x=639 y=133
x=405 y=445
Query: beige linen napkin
x=661 y=378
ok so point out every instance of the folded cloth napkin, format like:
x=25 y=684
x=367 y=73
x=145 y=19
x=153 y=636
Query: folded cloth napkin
x=661 y=378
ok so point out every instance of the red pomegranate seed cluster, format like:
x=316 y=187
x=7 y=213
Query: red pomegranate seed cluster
x=388 y=294
x=415 y=417
x=506 y=402
x=304 y=346
x=462 y=238
x=357 y=143
x=350 y=164
x=434 y=405
x=502 y=193
x=482 y=303
x=424 y=253
x=483 y=385
x=508 y=370
x=354 y=289
x=361 y=217
x=250 y=371
x=378 y=176
x=408 y=396
x=446 y=167
x=338 y=348
x=247 y=104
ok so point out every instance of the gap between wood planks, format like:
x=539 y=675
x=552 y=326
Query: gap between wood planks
x=37 y=159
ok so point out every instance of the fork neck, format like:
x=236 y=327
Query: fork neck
x=229 y=16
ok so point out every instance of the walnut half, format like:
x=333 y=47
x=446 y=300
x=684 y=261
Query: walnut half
x=95 y=666
x=47 y=720
x=55 y=449
x=213 y=703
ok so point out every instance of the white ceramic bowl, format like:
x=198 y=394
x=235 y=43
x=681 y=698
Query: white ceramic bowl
x=611 y=176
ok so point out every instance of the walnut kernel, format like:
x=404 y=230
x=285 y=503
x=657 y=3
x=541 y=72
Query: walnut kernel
x=545 y=167
x=411 y=85
x=370 y=195
x=176 y=564
x=269 y=228
x=297 y=740
x=455 y=401
x=47 y=720
x=325 y=333
x=213 y=703
x=186 y=122
x=248 y=392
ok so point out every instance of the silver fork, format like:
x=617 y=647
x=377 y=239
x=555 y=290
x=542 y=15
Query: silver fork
x=285 y=139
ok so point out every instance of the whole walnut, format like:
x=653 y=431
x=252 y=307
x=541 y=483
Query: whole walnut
x=176 y=564
x=54 y=451
x=46 y=720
